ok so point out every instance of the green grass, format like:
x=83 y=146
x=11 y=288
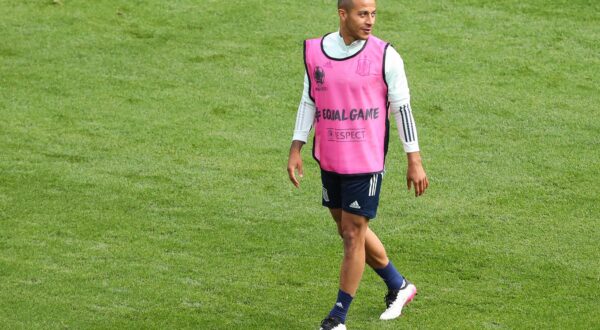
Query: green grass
x=143 y=147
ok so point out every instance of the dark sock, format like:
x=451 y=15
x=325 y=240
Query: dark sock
x=340 y=309
x=391 y=277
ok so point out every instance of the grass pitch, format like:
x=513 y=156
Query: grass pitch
x=143 y=148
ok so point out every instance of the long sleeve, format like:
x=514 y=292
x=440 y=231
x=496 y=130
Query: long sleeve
x=306 y=114
x=399 y=98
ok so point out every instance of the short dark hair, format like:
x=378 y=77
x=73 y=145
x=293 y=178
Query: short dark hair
x=345 y=4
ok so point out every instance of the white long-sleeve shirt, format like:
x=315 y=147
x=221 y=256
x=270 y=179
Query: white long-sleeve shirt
x=398 y=93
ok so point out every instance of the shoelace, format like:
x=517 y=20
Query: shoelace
x=390 y=297
x=329 y=323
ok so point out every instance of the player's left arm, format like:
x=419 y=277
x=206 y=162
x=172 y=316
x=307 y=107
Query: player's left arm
x=415 y=174
x=399 y=97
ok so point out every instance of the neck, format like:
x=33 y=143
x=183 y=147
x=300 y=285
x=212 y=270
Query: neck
x=347 y=38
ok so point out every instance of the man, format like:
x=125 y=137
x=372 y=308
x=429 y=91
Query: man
x=352 y=80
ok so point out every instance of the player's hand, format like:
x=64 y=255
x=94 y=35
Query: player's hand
x=295 y=163
x=415 y=175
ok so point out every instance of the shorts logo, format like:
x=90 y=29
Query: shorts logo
x=325 y=196
x=355 y=205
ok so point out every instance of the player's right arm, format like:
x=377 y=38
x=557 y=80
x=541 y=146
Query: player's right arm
x=304 y=120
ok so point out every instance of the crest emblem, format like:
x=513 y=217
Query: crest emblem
x=363 y=68
x=319 y=75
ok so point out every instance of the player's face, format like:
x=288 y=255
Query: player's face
x=357 y=23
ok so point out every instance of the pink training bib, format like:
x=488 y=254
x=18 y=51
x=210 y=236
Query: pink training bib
x=351 y=118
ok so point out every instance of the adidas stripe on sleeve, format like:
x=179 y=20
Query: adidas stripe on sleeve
x=399 y=97
x=406 y=126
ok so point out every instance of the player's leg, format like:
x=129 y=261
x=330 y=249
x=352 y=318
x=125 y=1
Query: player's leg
x=400 y=291
x=336 y=214
x=354 y=229
x=375 y=254
x=332 y=200
x=378 y=260
x=356 y=205
x=365 y=192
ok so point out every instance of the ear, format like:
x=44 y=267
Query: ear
x=342 y=13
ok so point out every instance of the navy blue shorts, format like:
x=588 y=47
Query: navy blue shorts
x=357 y=194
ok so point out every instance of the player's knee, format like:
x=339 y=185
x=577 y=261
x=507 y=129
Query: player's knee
x=353 y=236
